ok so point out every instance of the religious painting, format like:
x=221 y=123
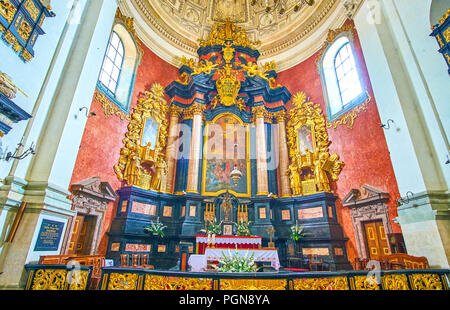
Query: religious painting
x=150 y=133
x=233 y=10
x=305 y=139
x=226 y=150
x=227 y=230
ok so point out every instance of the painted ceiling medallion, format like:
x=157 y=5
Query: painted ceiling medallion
x=174 y=28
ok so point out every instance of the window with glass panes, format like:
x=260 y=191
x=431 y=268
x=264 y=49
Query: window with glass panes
x=112 y=64
x=347 y=75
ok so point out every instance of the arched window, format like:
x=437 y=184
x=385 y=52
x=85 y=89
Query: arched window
x=341 y=80
x=112 y=64
x=120 y=63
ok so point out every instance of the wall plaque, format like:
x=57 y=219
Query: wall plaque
x=262 y=213
x=142 y=208
x=316 y=251
x=192 y=210
x=132 y=247
x=167 y=211
x=285 y=215
x=49 y=236
x=310 y=213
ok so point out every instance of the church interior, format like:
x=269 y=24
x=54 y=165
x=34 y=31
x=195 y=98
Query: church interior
x=224 y=145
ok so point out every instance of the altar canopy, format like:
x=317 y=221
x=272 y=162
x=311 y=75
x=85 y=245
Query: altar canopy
x=229 y=242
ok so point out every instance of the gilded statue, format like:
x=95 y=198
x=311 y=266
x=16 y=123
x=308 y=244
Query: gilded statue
x=311 y=169
x=160 y=171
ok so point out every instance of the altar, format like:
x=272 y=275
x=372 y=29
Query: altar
x=228 y=242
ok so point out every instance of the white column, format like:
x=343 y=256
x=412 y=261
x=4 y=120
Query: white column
x=195 y=153
x=261 y=152
x=58 y=128
x=284 y=155
x=409 y=82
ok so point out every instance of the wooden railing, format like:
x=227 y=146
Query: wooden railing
x=143 y=279
x=57 y=277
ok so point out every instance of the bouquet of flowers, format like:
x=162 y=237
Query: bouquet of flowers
x=235 y=263
x=243 y=229
x=214 y=229
x=156 y=228
x=297 y=232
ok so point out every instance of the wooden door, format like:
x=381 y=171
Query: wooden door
x=79 y=220
x=376 y=241
x=85 y=236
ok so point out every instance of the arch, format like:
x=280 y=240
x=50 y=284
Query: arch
x=437 y=10
x=341 y=79
x=131 y=58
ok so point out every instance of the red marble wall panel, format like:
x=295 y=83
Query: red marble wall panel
x=363 y=148
x=102 y=139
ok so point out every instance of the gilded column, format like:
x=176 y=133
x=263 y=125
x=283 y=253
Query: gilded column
x=283 y=151
x=261 y=152
x=195 y=153
x=172 y=143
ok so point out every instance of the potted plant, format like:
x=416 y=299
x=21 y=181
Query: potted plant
x=236 y=263
x=297 y=232
x=156 y=228
x=243 y=229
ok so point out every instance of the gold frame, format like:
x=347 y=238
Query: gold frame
x=205 y=143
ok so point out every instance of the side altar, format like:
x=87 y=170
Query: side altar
x=225 y=149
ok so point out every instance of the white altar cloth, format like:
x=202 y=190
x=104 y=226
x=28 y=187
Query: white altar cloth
x=198 y=263
x=260 y=255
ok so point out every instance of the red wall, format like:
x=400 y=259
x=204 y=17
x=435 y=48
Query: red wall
x=102 y=138
x=363 y=148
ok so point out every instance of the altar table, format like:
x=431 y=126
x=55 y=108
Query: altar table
x=260 y=255
x=228 y=242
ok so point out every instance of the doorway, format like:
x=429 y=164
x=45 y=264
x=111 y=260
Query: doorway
x=82 y=235
x=376 y=241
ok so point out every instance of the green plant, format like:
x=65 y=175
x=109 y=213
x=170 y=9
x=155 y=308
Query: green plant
x=297 y=232
x=213 y=228
x=243 y=229
x=236 y=263
x=156 y=228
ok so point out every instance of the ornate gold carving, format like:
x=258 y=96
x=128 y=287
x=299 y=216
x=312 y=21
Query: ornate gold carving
x=24 y=30
x=425 y=281
x=26 y=55
x=32 y=9
x=366 y=283
x=140 y=165
x=123 y=281
x=49 y=279
x=395 y=282
x=110 y=108
x=7 y=10
x=223 y=32
x=7 y=87
x=174 y=283
x=444 y=17
x=228 y=86
x=79 y=280
x=336 y=283
x=348 y=118
x=312 y=166
x=252 y=284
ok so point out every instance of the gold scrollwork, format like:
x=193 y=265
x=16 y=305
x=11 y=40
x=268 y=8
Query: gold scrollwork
x=7 y=10
x=110 y=108
x=349 y=118
x=366 y=283
x=395 y=282
x=227 y=31
x=79 y=280
x=123 y=281
x=312 y=167
x=425 y=281
x=174 y=283
x=337 y=283
x=49 y=279
x=140 y=165
x=251 y=284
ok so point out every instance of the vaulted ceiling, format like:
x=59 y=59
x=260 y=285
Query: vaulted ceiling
x=172 y=28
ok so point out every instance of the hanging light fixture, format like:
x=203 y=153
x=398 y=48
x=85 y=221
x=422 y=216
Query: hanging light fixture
x=281 y=5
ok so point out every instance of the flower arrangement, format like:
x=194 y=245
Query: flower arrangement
x=243 y=229
x=157 y=228
x=213 y=228
x=235 y=263
x=297 y=232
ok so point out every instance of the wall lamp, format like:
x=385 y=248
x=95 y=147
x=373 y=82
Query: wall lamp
x=88 y=115
x=387 y=125
x=31 y=150
x=409 y=195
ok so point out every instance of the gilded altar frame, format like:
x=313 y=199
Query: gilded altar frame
x=133 y=155
x=310 y=173
x=247 y=155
